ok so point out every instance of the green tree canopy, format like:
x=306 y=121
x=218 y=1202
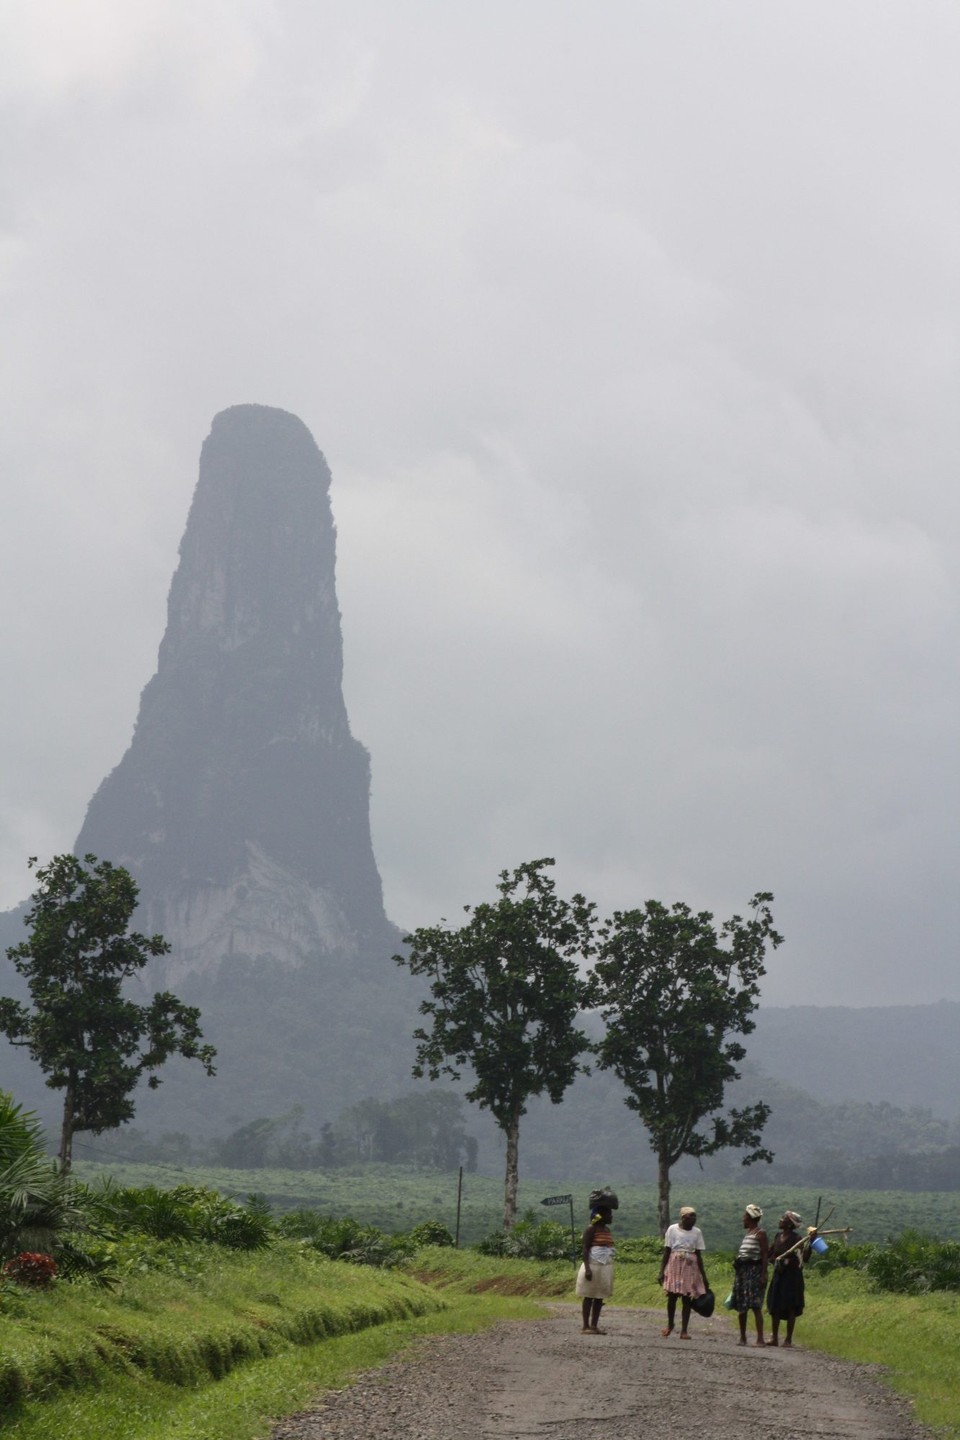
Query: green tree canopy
x=672 y=990
x=92 y=1042
x=505 y=992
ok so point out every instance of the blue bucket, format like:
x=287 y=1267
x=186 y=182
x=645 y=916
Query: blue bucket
x=820 y=1246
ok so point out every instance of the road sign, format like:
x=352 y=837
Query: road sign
x=557 y=1200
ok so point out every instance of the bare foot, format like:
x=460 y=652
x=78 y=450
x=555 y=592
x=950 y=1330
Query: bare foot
x=777 y=1342
x=668 y=1331
x=787 y=1344
x=684 y=1335
x=759 y=1342
x=595 y=1331
x=741 y=1342
x=586 y=1330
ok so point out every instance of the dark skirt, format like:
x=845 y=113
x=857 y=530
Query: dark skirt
x=785 y=1295
x=747 y=1286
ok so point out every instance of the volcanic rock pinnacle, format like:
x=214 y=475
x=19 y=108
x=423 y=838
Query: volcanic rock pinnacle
x=242 y=805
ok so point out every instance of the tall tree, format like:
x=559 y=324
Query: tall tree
x=672 y=991
x=92 y=1043
x=505 y=991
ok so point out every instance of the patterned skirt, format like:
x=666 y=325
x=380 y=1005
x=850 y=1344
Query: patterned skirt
x=747 y=1286
x=682 y=1275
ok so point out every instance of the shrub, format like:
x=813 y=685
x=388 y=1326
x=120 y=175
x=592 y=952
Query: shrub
x=238 y=1227
x=342 y=1238
x=31 y=1268
x=914 y=1264
x=89 y=1262
x=843 y=1257
x=530 y=1240
x=36 y=1201
x=645 y=1249
x=186 y=1213
x=431 y=1232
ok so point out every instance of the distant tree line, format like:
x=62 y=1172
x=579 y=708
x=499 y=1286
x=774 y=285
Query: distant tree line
x=426 y=1130
x=891 y=1170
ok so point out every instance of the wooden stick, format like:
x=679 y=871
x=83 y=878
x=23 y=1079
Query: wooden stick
x=806 y=1240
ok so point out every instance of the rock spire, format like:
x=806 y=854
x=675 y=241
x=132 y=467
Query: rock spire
x=242 y=804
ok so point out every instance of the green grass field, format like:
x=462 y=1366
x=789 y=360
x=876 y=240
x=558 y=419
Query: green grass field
x=396 y=1198
x=222 y=1344
x=199 y=1343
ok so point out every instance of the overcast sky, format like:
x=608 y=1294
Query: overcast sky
x=630 y=333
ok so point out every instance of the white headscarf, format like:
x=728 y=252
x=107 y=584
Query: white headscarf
x=753 y=1211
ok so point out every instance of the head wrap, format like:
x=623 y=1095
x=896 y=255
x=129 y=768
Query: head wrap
x=754 y=1212
x=793 y=1217
x=687 y=1210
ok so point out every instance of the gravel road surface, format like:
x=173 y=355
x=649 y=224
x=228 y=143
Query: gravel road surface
x=543 y=1379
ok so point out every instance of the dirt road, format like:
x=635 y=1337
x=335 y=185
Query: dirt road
x=544 y=1379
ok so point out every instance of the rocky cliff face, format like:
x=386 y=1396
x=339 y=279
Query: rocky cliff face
x=242 y=804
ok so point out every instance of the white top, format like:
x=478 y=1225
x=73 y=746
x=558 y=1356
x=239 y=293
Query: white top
x=686 y=1241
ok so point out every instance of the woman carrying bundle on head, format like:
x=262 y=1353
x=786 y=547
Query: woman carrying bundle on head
x=681 y=1269
x=595 y=1276
x=750 y=1273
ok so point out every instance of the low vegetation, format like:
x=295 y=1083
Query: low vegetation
x=182 y=1313
x=396 y=1198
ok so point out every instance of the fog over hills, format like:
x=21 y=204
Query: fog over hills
x=242 y=804
x=242 y=808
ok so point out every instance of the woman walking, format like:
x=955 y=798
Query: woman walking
x=681 y=1269
x=750 y=1273
x=786 y=1294
x=595 y=1276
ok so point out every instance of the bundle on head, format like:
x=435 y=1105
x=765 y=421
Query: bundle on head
x=603 y=1200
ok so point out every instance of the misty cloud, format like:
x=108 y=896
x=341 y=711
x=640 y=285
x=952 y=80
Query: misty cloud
x=631 y=341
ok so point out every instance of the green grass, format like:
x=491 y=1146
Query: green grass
x=222 y=1351
x=182 y=1330
x=245 y=1404
x=398 y=1197
x=220 y=1345
x=916 y=1337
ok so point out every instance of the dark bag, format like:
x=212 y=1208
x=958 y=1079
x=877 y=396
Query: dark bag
x=603 y=1200
x=703 y=1304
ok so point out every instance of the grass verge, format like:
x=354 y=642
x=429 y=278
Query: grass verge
x=915 y=1337
x=216 y=1351
x=247 y=1402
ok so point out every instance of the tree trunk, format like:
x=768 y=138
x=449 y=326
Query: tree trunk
x=66 y=1131
x=512 y=1132
x=663 y=1193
